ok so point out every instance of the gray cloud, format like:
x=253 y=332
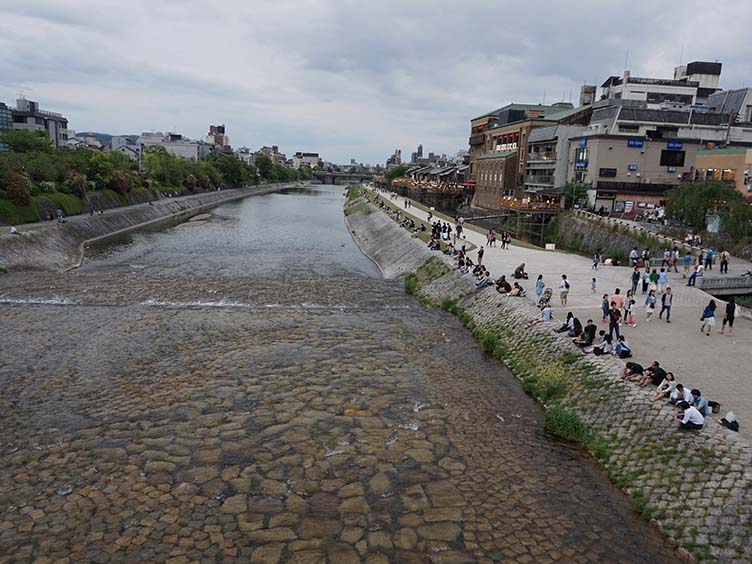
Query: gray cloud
x=342 y=77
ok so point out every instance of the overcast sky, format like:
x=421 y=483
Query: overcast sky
x=344 y=78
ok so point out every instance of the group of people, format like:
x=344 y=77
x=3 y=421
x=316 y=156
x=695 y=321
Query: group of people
x=506 y=238
x=691 y=403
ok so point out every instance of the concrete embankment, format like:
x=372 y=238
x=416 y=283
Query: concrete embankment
x=695 y=485
x=61 y=246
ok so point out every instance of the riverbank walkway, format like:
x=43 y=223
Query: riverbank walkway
x=719 y=365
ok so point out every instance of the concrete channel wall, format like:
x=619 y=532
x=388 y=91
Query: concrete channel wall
x=695 y=485
x=61 y=246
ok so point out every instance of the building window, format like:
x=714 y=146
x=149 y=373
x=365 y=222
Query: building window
x=629 y=128
x=672 y=158
x=728 y=175
x=748 y=114
x=607 y=172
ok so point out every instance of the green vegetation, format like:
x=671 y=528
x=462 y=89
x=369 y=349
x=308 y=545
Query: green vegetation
x=564 y=424
x=574 y=193
x=396 y=172
x=36 y=177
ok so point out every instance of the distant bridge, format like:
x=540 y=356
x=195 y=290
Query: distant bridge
x=338 y=177
x=725 y=286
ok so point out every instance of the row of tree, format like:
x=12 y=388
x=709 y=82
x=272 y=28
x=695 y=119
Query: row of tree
x=31 y=165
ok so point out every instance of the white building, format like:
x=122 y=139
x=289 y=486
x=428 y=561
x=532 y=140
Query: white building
x=27 y=115
x=305 y=159
x=175 y=144
x=706 y=75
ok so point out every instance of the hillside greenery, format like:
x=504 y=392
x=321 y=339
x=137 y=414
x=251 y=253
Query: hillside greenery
x=35 y=176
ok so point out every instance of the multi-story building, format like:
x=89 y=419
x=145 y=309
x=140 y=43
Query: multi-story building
x=732 y=165
x=6 y=122
x=218 y=137
x=499 y=145
x=626 y=174
x=737 y=103
x=395 y=160
x=175 y=144
x=545 y=171
x=307 y=159
x=692 y=84
x=27 y=115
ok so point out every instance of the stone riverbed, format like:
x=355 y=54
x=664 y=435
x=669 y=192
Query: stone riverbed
x=249 y=389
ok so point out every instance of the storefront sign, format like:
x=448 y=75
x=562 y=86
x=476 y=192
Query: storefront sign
x=676 y=145
x=635 y=142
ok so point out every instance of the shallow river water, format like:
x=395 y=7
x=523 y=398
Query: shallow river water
x=248 y=388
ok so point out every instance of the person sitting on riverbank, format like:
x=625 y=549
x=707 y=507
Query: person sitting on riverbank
x=690 y=417
x=568 y=325
x=585 y=339
x=665 y=388
x=519 y=272
x=654 y=374
x=14 y=231
x=546 y=314
x=632 y=372
x=433 y=244
x=576 y=329
x=518 y=291
x=601 y=339
x=484 y=281
x=700 y=402
x=502 y=286
x=622 y=348
x=680 y=393
x=604 y=348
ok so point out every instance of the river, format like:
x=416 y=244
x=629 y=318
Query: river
x=248 y=388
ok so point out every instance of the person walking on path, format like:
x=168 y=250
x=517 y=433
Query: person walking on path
x=729 y=316
x=650 y=301
x=645 y=279
x=635 y=279
x=709 y=256
x=708 y=318
x=539 y=285
x=480 y=255
x=674 y=259
x=662 y=281
x=632 y=313
x=614 y=317
x=563 y=290
x=666 y=300
x=687 y=263
x=725 y=256
x=666 y=260
x=634 y=257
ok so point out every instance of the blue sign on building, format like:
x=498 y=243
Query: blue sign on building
x=635 y=142
x=580 y=164
x=582 y=143
x=632 y=167
x=676 y=145
x=672 y=169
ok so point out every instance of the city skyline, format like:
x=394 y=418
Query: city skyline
x=343 y=81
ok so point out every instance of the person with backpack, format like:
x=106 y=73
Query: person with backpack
x=563 y=290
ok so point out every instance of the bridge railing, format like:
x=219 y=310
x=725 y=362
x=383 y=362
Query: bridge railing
x=730 y=282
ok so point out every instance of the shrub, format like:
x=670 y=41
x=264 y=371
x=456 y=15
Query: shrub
x=488 y=341
x=76 y=184
x=190 y=182
x=564 y=424
x=17 y=186
x=121 y=182
x=411 y=283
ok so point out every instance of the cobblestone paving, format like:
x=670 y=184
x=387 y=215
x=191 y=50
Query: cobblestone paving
x=360 y=427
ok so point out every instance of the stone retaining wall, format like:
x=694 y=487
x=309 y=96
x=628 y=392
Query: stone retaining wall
x=60 y=246
x=695 y=485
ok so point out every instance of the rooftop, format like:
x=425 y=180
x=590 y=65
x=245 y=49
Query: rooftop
x=497 y=155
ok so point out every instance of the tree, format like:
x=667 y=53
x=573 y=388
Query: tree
x=233 y=171
x=119 y=161
x=395 y=172
x=100 y=170
x=574 y=193
x=689 y=203
x=265 y=167
x=25 y=141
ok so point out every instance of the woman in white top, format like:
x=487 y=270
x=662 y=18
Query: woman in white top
x=665 y=388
